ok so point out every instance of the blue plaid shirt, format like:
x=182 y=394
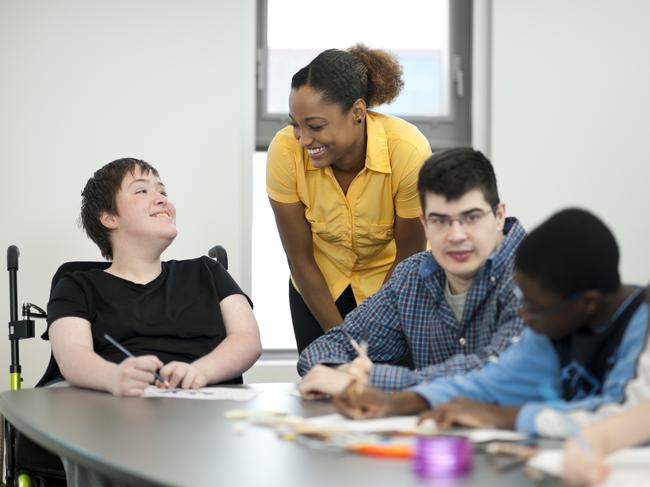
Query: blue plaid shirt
x=410 y=314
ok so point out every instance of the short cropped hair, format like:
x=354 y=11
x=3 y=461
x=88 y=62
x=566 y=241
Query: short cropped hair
x=452 y=173
x=572 y=251
x=99 y=194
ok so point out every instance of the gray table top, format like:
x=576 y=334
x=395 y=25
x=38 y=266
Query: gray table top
x=189 y=442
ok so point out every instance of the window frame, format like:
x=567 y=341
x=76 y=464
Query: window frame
x=448 y=131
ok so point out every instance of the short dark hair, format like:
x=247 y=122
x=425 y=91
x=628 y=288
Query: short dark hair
x=343 y=77
x=453 y=173
x=98 y=196
x=572 y=251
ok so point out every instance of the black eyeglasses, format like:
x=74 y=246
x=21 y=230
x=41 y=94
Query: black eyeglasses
x=541 y=313
x=442 y=223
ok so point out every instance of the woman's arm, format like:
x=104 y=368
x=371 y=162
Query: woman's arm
x=235 y=354
x=296 y=238
x=72 y=346
x=409 y=239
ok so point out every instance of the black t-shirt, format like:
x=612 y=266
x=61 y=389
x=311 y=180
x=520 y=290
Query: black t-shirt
x=174 y=317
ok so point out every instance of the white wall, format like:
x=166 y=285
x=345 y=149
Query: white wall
x=85 y=82
x=570 y=107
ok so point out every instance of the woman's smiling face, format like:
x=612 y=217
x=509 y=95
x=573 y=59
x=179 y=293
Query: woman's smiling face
x=329 y=134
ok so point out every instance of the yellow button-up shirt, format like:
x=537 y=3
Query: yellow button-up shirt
x=353 y=234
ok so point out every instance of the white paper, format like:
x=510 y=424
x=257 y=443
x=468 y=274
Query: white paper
x=485 y=435
x=204 y=393
x=338 y=423
x=406 y=424
x=628 y=467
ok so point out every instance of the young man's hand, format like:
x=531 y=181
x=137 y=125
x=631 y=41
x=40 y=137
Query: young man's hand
x=183 y=375
x=360 y=369
x=462 y=411
x=362 y=402
x=321 y=381
x=132 y=376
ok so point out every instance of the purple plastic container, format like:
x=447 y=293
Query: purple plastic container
x=442 y=456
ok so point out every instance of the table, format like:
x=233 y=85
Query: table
x=189 y=442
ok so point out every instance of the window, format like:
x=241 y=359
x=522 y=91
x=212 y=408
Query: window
x=269 y=268
x=431 y=39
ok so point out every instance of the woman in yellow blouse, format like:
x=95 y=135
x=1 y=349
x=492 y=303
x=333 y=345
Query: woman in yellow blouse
x=342 y=182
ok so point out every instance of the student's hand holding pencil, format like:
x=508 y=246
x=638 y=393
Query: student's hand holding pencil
x=133 y=375
x=322 y=381
x=359 y=368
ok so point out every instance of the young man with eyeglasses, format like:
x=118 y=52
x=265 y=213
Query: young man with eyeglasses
x=451 y=309
x=583 y=355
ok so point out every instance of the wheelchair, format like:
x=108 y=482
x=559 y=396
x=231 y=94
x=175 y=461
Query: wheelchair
x=27 y=463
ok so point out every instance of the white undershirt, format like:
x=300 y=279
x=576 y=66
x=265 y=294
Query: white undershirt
x=456 y=301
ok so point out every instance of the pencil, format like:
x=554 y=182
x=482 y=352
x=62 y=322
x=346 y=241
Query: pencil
x=121 y=348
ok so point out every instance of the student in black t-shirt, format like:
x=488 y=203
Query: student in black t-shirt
x=187 y=318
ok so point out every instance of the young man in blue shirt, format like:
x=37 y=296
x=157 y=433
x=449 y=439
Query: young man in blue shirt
x=581 y=353
x=452 y=309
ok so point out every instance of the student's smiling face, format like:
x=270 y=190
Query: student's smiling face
x=143 y=209
x=329 y=134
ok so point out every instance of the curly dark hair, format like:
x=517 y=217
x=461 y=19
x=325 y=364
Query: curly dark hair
x=571 y=252
x=343 y=77
x=98 y=196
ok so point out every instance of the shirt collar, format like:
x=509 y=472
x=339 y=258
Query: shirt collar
x=377 y=155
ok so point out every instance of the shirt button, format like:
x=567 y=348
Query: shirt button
x=462 y=341
x=493 y=280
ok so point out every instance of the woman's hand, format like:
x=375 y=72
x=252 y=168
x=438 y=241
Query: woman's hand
x=132 y=376
x=183 y=375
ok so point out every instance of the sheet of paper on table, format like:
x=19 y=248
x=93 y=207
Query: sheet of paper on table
x=332 y=423
x=204 y=393
x=479 y=435
x=628 y=468
x=338 y=423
